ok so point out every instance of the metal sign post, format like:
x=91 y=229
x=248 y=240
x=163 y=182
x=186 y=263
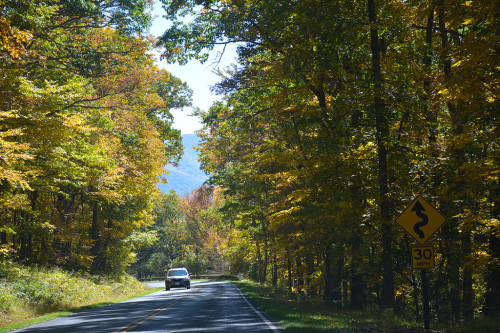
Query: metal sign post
x=425 y=300
x=421 y=220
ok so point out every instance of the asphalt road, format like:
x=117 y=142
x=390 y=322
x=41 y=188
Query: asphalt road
x=207 y=306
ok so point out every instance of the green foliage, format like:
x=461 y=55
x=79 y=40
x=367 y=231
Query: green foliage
x=86 y=131
x=158 y=244
x=336 y=115
x=34 y=291
x=187 y=232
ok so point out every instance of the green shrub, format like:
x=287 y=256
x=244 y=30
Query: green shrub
x=483 y=325
x=26 y=291
x=7 y=299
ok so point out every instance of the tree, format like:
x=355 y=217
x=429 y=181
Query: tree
x=86 y=131
x=333 y=120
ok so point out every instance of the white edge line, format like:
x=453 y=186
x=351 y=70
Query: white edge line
x=264 y=319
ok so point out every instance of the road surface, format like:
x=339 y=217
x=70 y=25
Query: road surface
x=207 y=306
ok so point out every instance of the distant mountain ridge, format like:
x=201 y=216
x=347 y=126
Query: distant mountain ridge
x=188 y=175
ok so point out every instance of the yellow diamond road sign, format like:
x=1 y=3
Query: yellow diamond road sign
x=420 y=219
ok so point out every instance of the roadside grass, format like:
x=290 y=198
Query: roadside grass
x=300 y=314
x=57 y=314
x=297 y=314
x=482 y=325
x=32 y=295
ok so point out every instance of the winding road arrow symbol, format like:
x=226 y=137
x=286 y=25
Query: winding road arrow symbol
x=418 y=209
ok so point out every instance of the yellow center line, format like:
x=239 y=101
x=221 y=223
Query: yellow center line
x=152 y=314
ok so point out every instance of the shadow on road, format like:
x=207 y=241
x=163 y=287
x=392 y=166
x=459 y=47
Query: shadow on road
x=207 y=306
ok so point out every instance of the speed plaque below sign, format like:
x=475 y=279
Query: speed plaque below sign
x=422 y=257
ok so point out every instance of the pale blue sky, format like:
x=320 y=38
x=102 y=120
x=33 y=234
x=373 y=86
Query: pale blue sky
x=199 y=77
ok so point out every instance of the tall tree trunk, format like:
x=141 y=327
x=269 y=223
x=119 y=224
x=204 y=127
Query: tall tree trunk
x=382 y=136
x=264 y=263
x=259 y=261
x=274 y=279
x=300 y=275
x=310 y=271
x=289 y=269
x=338 y=280
x=96 y=239
x=439 y=285
x=492 y=302
x=427 y=61
x=460 y=159
x=413 y=282
x=328 y=293
x=468 y=292
x=449 y=233
x=358 y=285
x=22 y=246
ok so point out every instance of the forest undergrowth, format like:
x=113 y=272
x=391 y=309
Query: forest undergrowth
x=301 y=313
x=31 y=292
